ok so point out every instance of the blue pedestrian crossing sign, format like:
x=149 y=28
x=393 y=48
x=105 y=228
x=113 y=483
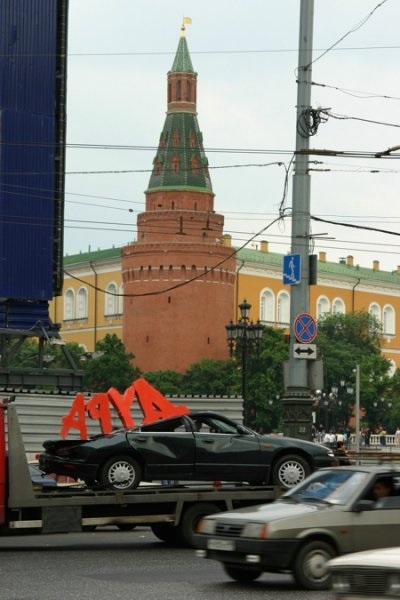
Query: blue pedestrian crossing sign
x=291 y=269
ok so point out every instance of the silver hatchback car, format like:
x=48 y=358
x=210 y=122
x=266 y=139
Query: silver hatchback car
x=333 y=512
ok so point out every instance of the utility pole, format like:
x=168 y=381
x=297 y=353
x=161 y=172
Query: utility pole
x=297 y=403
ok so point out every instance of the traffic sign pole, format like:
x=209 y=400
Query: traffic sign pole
x=297 y=401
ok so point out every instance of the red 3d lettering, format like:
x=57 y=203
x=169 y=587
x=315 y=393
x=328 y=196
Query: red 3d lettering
x=153 y=404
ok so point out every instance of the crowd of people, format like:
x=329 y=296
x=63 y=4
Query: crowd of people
x=343 y=438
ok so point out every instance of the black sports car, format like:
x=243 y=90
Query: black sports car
x=201 y=446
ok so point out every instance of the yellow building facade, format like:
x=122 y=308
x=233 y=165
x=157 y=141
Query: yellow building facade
x=92 y=302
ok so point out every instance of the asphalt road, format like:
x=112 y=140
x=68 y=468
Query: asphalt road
x=114 y=565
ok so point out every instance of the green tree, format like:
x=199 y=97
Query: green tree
x=343 y=341
x=212 y=377
x=167 y=382
x=27 y=355
x=265 y=383
x=112 y=366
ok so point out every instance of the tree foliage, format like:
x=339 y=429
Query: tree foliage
x=111 y=368
x=347 y=340
x=265 y=383
x=212 y=377
x=167 y=382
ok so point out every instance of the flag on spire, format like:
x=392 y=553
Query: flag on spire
x=185 y=21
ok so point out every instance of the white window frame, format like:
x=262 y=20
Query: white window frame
x=69 y=305
x=110 y=299
x=81 y=308
x=267 y=306
x=283 y=308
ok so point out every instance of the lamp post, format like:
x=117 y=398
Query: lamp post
x=244 y=336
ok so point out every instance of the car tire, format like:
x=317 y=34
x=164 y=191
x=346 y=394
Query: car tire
x=242 y=574
x=289 y=470
x=126 y=526
x=191 y=518
x=121 y=473
x=310 y=568
x=166 y=532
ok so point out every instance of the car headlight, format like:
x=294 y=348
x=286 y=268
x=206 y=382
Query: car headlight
x=393 y=584
x=340 y=583
x=206 y=526
x=255 y=530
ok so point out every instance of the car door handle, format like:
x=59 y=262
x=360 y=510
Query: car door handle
x=209 y=441
x=141 y=439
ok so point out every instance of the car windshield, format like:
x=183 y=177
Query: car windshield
x=333 y=487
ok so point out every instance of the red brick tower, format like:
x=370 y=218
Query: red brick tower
x=178 y=276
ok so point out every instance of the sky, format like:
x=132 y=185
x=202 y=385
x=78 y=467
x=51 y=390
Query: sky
x=246 y=55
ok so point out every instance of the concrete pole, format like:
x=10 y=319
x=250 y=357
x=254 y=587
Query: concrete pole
x=297 y=403
x=357 y=409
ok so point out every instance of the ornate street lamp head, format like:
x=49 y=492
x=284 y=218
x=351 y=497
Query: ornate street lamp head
x=245 y=310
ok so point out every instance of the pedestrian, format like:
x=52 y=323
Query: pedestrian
x=382 y=436
x=367 y=434
x=397 y=436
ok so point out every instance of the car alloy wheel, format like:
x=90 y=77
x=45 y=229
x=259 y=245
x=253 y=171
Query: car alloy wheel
x=290 y=470
x=121 y=473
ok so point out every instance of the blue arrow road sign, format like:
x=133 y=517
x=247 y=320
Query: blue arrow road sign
x=291 y=269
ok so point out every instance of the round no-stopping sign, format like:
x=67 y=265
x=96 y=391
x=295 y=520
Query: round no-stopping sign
x=305 y=328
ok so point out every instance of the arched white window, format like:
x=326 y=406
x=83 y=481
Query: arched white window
x=283 y=308
x=267 y=306
x=81 y=304
x=121 y=300
x=323 y=306
x=111 y=300
x=375 y=311
x=389 y=320
x=338 y=307
x=69 y=305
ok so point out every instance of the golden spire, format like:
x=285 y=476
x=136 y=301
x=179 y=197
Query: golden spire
x=185 y=21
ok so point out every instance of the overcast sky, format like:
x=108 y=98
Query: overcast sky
x=245 y=54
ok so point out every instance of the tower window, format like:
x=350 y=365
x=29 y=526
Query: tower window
x=174 y=164
x=157 y=166
x=195 y=164
x=188 y=90
x=175 y=139
x=179 y=90
x=192 y=139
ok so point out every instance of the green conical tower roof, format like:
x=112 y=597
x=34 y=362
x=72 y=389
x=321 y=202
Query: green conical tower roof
x=180 y=162
x=182 y=62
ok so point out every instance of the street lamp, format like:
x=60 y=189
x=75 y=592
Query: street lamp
x=244 y=336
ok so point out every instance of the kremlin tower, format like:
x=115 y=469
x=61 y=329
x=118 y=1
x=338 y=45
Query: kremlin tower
x=178 y=276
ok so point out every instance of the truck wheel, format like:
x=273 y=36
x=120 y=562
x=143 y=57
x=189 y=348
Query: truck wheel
x=289 y=470
x=242 y=574
x=121 y=473
x=126 y=526
x=191 y=518
x=166 y=532
x=310 y=566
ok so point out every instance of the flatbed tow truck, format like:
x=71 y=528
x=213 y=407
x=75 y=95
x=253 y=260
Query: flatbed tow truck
x=171 y=512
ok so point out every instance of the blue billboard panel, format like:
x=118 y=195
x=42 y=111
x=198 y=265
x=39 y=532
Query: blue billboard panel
x=26 y=206
x=33 y=42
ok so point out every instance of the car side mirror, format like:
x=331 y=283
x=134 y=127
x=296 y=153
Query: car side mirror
x=363 y=505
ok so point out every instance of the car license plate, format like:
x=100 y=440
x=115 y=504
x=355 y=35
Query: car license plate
x=214 y=544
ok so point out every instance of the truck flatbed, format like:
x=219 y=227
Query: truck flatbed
x=171 y=511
